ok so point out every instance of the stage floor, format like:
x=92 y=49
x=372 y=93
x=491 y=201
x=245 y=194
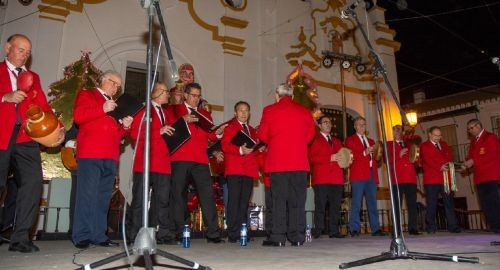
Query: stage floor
x=322 y=253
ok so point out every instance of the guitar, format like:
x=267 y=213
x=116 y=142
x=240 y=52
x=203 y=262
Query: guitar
x=68 y=158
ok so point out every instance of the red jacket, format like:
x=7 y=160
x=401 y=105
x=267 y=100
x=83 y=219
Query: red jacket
x=99 y=134
x=8 y=109
x=159 y=161
x=433 y=159
x=360 y=168
x=287 y=128
x=486 y=156
x=195 y=149
x=235 y=163
x=325 y=171
x=261 y=161
x=405 y=170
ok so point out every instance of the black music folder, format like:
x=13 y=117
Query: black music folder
x=203 y=122
x=127 y=105
x=241 y=138
x=180 y=136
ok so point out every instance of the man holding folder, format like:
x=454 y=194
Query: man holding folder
x=240 y=169
x=190 y=161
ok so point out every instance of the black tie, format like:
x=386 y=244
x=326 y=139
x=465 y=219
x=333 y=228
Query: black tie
x=402 y=144
x=437 y=146
x=329 y=139
x=18 y=115
x=107 y=96
x=245 y=128
x=191 y=110
x=160 y=112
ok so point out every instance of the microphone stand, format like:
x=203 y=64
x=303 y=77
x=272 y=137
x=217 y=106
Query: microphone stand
x=145 y=241
x=398 y=249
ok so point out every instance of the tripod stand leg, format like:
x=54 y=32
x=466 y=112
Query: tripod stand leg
x=442 y=257
x=382 y=257
x=147 y=260
x=104 y=261
x=193 y=265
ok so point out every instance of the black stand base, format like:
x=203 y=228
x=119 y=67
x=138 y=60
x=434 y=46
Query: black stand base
x=147 y=260
x=399 y=251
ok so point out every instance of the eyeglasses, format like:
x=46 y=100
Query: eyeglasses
x=471 y=127
x=115 y=83
x=195 y=95
x=326 y=122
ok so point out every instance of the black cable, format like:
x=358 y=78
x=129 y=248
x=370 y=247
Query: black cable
x=80 y=251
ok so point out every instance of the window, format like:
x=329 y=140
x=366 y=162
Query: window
x=135 y=80
x=495 y=124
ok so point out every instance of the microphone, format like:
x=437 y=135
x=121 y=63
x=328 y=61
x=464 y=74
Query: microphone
x=344 y=14
x=496 y=61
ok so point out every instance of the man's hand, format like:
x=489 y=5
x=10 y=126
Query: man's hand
x=219 y=156
x=189 y=118
x=403 y=152
x=468 y=163
x=127 y=121
x=15 y=97
x=245 y=150
x=109 y=106
x=335 y=157
x=220 y=130
x=444 y=167
x=168 y=130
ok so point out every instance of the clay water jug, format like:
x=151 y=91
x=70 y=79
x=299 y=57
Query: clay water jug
x=42 y=126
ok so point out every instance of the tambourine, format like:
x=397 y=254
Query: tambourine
x=346 y=157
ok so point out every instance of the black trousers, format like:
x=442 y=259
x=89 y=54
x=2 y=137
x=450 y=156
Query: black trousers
x=239 y=191
x=409 y=191
x=288 y=192
x=72 y=199
x=268 y=215
x=182 y=171
x=161 y=184
x=490 y=203
x=331 y=194
x=27 y=165
x=432 y=191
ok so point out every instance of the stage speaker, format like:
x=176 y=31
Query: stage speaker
x=57 y=211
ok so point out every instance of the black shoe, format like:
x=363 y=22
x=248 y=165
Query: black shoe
x=354 y=233
x=414 y=232
x=336 y=235
x=431 y=231
x=215 y=240
x=24 y=247
x=166 y=241
x=296 y=244
x=269 y=243
x=232 y=239
x=108 y=243
x=379 y=233
x=456 y=230
x=84 y=244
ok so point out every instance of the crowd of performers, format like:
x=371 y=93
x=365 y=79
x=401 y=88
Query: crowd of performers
x=293 y=144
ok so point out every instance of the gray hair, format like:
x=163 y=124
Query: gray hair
x=284 y=90
x=109 y=73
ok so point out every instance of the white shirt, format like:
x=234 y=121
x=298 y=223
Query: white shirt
x=12 y=71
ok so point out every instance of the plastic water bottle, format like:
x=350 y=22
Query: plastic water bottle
x=186 y=237
x=243 y=235
x=308 y=233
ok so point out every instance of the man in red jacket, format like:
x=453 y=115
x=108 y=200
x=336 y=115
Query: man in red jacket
x=191 y=162
x=240 y=170
x=287 y=128
x=160 y=177
x=404 y=178
x=363 y=175
x=97 y=153
x=16 y=147
x=327 y=178
x=484 y=156
x=435 y=155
